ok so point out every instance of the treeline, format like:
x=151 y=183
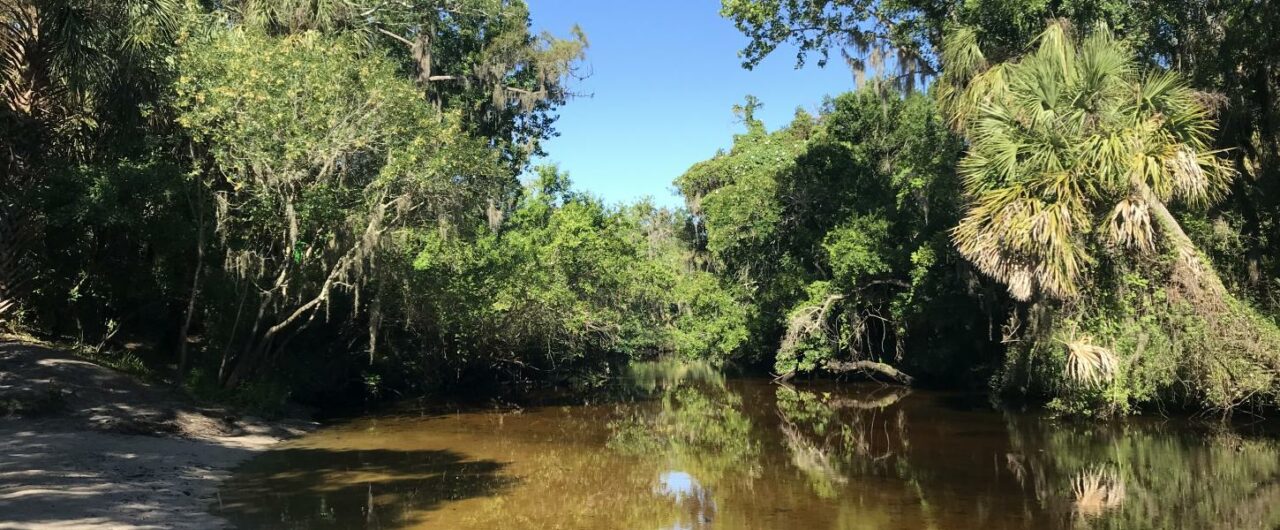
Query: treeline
x=322 y=200
x=833 y=230
x=1073 y=202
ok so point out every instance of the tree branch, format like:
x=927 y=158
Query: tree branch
x=870 y=366
x=393 y=35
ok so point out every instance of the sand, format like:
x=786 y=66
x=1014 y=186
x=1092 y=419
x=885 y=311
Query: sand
x=83 y=446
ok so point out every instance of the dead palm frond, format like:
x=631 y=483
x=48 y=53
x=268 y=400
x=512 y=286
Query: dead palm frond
x=1089 y=363
x=1129 y=225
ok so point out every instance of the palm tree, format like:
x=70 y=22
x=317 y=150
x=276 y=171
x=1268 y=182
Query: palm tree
x=69 y=70
x=1074 y=151
x=64 y=64
x=1074 y=155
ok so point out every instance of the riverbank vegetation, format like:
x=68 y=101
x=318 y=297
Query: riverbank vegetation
x=333 y=201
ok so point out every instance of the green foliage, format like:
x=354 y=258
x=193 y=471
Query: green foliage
x=84 y=176
x=855 y=250
x=1169 y=352
x=834 y=230
x=1224 y=49
x=268 y=172
x=1068 y=176
x=711 y=323
x=76 y=77
x=306 y=198
x=909 y=36
x=868 y=35
x=1065 y=162
x=477 y=57
x=116 y=246
x=324 y=156
x=807 y=350
x=545 y=283
x=566 y=282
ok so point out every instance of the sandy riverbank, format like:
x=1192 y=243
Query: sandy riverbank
x=84 y=446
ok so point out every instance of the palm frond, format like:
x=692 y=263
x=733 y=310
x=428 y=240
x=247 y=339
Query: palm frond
x=1088 y=363
x=1129 y=225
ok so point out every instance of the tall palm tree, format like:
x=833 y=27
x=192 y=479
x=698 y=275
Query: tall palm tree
x=1074 y=155
x=1074 y=151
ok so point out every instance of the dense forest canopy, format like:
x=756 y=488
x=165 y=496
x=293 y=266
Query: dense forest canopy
x=1073 y=202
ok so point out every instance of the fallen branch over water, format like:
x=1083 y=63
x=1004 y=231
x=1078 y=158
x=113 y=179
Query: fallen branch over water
x=870 y=366
x=841 y=367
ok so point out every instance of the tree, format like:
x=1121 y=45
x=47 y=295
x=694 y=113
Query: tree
x=74 y=76
x=320 y=156
x=832 y=231
x=1228 y=48
x=1075 y=154
x=566 y=287
x=903 y=39
x=477 y=56
x=876 y=37
x=1072 y=143
x=1225 y=48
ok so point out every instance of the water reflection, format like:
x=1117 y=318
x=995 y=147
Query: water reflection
x=1096 y=491
x=831 y=437
x=687 y=492
x=681 y=447
x=313 y=487
x=1153 y=475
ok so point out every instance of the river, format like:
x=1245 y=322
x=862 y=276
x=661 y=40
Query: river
x=687 y=448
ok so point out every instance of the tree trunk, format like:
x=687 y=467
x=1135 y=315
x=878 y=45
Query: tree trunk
x=14 y=237
x=184 y=358
x=245 y=363
x=1198 y=269
x=231 y=337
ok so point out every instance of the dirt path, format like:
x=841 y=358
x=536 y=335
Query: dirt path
x=84 y=446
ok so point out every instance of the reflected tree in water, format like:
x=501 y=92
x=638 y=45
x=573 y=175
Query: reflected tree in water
x=701 y=430
x=836 y=440
x=304 y=487
x=830 y=438
x=703 y=452
x=700 y=437
x=1147 y=475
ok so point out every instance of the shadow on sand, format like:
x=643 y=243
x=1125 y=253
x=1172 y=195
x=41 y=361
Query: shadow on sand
x=58 y=475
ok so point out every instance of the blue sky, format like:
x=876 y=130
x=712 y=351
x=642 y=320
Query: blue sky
x=665 y=75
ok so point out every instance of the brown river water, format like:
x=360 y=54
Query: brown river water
x=689 y=449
